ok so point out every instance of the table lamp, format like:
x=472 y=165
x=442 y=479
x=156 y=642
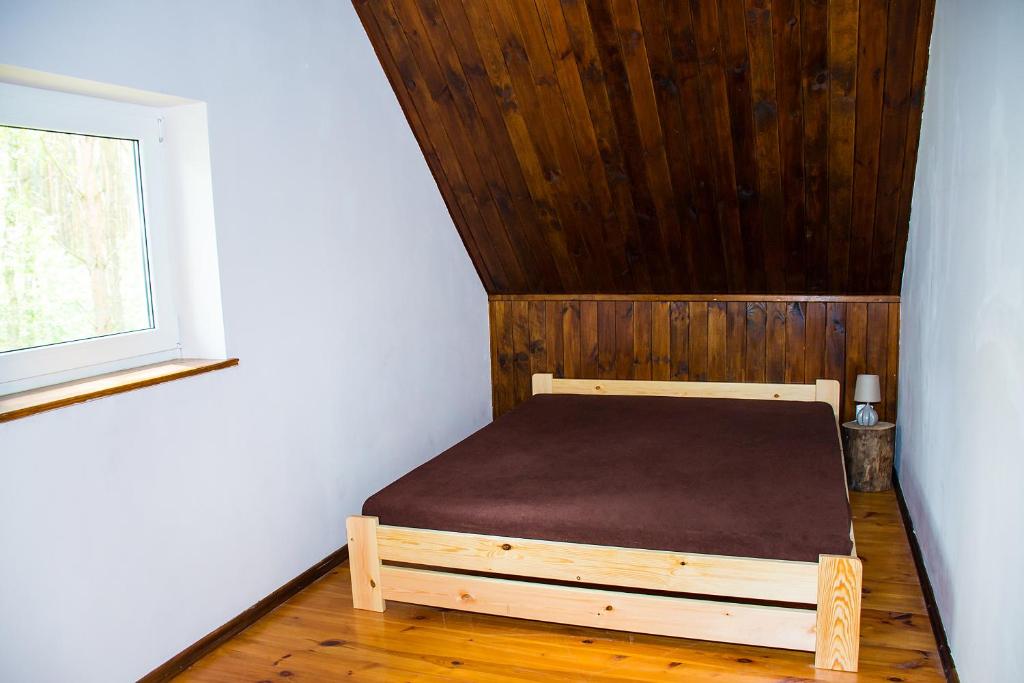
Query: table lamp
x=866 y=393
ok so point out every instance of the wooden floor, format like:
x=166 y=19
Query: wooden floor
x=317 y=636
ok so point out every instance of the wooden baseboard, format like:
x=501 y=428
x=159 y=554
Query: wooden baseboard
x=208 y=643
x=941 y=642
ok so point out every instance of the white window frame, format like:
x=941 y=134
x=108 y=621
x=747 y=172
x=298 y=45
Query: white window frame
x=68 y=113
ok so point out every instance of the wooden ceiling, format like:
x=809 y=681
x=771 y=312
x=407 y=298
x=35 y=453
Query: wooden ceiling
x=633 y=146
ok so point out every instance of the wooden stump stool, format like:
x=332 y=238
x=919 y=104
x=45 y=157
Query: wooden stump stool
x=869 y=452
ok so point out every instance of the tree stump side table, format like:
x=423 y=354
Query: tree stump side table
x=868 y=453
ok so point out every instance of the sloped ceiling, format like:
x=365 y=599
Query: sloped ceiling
x=634 y=146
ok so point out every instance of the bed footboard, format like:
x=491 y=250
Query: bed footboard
x=830 y=588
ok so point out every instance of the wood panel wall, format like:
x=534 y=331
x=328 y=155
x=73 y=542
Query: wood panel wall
x=684 y=146
x=725 y=339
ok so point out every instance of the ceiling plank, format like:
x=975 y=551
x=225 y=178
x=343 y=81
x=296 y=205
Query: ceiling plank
x=764 y=99
x=874 y=15
x=922 y=41
x=786 y=29
x=899 y=69
x=842 y=124
x=655 y=146
x=732 y=36
x=427 y=146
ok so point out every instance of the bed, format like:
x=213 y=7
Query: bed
x=690 y=509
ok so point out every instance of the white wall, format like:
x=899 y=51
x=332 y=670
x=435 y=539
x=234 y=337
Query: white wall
x=961 y=433
x=133 y=525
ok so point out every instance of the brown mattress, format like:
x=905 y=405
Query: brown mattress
x=719 y=476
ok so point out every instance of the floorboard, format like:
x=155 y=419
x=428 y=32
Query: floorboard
x=318 y=636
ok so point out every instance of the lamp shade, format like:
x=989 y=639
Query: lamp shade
x=867 y=390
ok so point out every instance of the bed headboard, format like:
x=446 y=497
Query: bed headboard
x=825 y=390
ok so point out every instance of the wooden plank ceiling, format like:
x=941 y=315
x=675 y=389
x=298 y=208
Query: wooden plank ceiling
x=634 y=146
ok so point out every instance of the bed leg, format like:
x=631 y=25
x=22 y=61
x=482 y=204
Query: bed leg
x=364 y=563
x=837 y=634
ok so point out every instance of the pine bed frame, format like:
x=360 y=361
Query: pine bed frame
x=831 y=629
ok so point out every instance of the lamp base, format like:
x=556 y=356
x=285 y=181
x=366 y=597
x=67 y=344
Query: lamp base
x=866 y=415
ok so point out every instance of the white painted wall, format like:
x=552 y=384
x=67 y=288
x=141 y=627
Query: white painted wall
x=133 y=525
x=961 y=458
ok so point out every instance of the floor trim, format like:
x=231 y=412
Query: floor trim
x=941 y=642
x=208 y=643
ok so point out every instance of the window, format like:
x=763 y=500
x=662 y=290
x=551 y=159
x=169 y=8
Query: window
x=83 y=268
x=73 y=239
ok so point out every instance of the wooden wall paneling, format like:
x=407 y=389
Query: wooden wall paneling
x=717 y=342
x=735 y=341
x=553 y=338
x=815 y=322
x=624 y=340
x=775 y=342
x=661 y=337
x=521 y=345
x=589 y=365
x=679 y=344
x=572 y=357
x=755 y=346
x=835 y=348
x=842 y=57
x=796 y=316
x=642 y=347
x=681 y=338
x=537 y=347
x=899 y=71
x=856 y=351
x=698 y=356
x=606 y=339
x=640 y=146
x=876 y=341
x=892 y=358
x=503 y=393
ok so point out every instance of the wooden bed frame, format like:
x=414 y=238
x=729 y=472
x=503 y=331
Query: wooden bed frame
x=830 y=629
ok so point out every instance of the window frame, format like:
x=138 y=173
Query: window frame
x=39 y=109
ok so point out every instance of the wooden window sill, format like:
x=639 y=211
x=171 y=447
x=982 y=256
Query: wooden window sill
x=25 y=403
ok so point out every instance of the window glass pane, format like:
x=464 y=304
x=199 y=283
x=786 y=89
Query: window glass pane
x=73 y=261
